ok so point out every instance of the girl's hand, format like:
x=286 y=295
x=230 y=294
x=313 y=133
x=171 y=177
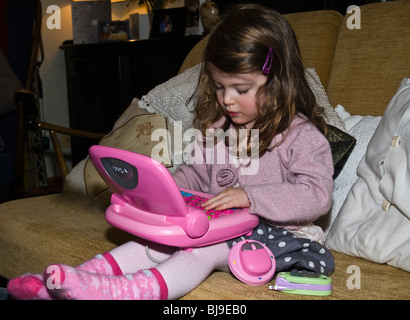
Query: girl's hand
x=228 y=198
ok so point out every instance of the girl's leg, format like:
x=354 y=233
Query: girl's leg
x=140 y=254
x=291 y=252
x=184 y=271
x=128 y=258
x=173 y=278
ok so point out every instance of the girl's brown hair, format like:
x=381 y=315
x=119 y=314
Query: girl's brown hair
x=240 y=44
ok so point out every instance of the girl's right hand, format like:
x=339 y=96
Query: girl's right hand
x=235 y=197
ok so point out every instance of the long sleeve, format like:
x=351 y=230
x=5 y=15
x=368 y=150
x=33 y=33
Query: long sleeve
x=196 y=175
x=193 y=177
x=299 y=190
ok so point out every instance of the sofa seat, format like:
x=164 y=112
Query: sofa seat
x=67 y=228
x=366 y=281
x=81 y=232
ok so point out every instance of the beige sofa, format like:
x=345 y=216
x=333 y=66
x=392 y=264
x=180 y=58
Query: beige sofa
x=360 y=69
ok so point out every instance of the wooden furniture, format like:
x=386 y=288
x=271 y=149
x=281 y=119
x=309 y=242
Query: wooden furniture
x=103 y=78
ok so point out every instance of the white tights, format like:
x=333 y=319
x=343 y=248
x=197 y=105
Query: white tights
x=182 y=270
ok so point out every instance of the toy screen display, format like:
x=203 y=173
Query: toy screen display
x=123 y=173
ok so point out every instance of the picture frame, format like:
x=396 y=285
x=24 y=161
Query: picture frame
x=134 y=26
x=169 y=23
x=113 y=31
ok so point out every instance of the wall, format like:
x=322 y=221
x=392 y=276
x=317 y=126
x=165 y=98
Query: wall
x=54 y=105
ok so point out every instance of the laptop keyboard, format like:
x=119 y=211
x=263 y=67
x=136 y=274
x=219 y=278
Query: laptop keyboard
x=196 y=201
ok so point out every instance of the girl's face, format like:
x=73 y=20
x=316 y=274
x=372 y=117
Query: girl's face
x=236 y=95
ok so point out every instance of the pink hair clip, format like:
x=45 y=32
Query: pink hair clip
x=268 y=63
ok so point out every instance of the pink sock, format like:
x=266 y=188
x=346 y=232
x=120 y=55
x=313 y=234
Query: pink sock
x=101 y=264
x=82 y=285
x=32 y=286
x=28 y=287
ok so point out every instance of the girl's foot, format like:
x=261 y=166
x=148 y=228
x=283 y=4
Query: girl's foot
x=33 y=287
x=71 y=283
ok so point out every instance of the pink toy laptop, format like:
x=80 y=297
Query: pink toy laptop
x=146 y=202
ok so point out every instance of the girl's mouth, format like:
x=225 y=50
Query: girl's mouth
x=233 y=114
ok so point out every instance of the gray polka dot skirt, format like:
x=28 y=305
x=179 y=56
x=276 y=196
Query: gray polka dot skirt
x=292 y=253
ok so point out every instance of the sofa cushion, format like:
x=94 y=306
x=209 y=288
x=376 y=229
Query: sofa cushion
x=62 y=228
x=317 y=33
x=374 y=221
x=370 y=62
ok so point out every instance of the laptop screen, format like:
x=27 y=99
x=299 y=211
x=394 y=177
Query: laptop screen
x=123 y=173
x=139 y=180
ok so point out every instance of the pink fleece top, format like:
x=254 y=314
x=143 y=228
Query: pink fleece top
x=292 y=186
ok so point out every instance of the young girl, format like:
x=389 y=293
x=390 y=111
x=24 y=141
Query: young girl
x=252 y=79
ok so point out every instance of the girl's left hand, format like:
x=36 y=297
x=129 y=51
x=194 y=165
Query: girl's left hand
x=228 y=198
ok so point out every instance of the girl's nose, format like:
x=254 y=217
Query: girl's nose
x=228 y=99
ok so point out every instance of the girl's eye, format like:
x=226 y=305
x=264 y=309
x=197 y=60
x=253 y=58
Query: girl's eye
x=242 y=91
x=218 y=86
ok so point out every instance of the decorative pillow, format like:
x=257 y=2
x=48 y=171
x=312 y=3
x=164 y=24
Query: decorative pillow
x=374 y=221
x=341 y=145
x=169 y=98
x=134 y=135
x=330 y=115
x=362 y=129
